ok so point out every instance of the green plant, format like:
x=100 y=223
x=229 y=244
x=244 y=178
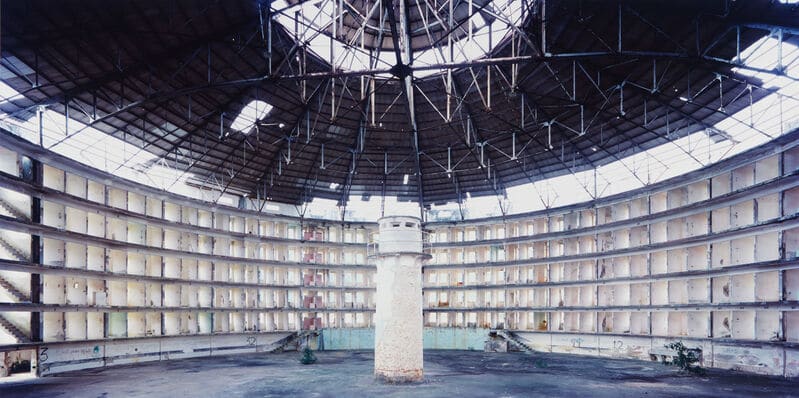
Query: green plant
x=307 y=356
x=686 y=359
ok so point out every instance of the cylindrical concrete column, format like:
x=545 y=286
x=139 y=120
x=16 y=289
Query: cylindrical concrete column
x=398 y=316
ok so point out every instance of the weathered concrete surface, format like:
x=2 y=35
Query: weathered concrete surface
x=399 y=344
x=398 y=319
x=84 y=355
x=755 y=357
x=447 y=374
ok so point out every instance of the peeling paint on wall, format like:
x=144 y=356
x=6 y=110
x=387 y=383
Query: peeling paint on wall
x=58 y=358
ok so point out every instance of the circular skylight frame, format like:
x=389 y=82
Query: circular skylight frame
x=309 y=21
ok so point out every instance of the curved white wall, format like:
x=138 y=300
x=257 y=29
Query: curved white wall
x=708 y=258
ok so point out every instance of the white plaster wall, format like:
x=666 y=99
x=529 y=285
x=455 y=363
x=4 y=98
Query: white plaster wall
x=791 y=363
x=59 y=358
x=763 y=359
x=756 y=358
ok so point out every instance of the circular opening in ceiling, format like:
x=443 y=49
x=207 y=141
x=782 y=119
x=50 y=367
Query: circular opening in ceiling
x=366 y=35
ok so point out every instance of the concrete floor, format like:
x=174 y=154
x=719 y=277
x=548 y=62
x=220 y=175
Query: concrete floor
x=458 y=374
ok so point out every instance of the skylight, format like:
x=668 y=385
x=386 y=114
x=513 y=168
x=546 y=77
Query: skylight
x=308 y=20
x=775 y=59
x=249 y=115
x=775 y=114
x=94 y=148
x=11 y=67
x=772 y=54
x=8 y=94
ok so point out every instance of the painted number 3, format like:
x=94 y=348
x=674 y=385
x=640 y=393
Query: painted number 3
x=43 y=366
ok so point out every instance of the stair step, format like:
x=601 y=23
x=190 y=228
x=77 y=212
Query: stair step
x=13 y=330
x=509 y=337
x=16 y=213
x=18 y=254
x=288 y=340
x=13 y=290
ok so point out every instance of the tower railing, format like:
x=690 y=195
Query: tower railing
x=373 y=246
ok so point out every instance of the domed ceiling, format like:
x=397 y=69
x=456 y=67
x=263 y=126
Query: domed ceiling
x=427 y=100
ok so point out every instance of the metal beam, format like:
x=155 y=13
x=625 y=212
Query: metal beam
x=400 y=34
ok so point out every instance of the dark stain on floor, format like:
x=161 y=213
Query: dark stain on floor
x=459 y=374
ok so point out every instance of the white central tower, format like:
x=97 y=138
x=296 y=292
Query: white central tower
x=398 y=317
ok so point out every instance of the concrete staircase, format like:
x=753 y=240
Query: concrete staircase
x=7 y=286
x=4 y=283
x=515 y=341
x=16 y=253
x=288 y=343
x=10 y=209
x=14 y=331
x=294 y=341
